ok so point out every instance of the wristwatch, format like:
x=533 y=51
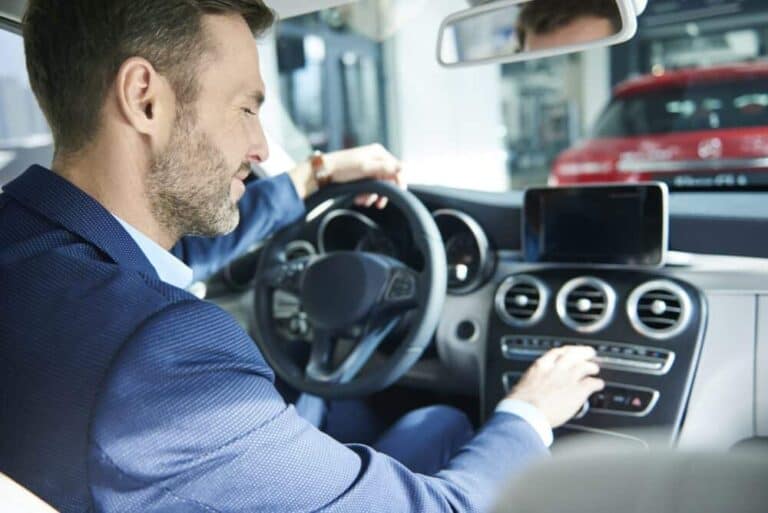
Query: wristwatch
x=323 y=176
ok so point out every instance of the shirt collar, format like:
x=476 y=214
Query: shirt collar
x=170 y=269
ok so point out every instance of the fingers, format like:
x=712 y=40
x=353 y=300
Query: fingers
x=571 y=355
x=591 y=385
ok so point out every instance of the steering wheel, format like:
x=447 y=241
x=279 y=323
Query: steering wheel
x=354 y=295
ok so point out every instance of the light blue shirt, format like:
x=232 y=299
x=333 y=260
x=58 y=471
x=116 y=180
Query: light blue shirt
x=175 y=272
x=170 y=269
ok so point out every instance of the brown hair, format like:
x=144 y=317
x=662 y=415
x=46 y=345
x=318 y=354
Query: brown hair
x=74 y=49
x=545 y=16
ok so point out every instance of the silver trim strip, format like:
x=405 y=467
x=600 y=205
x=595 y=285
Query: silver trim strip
x=667 y=286
x=570 y=286
x=650 y=166
x=506 y=285
x=483 y=245
x=612 y=363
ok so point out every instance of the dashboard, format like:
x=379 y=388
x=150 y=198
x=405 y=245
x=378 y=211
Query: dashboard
x=683 y=347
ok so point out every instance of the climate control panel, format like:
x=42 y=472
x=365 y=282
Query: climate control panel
x=610 y=355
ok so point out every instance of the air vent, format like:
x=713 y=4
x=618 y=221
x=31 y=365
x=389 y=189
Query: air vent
x=521 y=300
x=659 y=309
x=586 y=304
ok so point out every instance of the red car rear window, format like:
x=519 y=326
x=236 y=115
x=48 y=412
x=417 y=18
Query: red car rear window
x=685 y=109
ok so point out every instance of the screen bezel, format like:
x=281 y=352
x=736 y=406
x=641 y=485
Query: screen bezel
x=658 y=187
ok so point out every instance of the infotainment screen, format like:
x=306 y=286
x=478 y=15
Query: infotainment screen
x=615 y=225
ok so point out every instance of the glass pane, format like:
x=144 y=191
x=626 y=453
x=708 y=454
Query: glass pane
x=24 y=135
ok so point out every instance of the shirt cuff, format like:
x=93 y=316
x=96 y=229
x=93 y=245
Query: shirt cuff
x=530 y=414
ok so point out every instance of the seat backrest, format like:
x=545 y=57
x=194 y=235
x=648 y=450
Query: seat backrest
x=17 y=499
x=642 y=482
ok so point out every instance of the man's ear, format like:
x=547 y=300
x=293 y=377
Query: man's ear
x=144 y=99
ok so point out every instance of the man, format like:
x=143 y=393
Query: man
x=121 y=391
x=544 y=24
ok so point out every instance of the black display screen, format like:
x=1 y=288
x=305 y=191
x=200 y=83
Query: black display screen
x=616 y=225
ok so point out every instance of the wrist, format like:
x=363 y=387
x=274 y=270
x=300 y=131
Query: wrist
x=304 y=180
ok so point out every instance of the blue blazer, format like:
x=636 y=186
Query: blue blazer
x=121 y=393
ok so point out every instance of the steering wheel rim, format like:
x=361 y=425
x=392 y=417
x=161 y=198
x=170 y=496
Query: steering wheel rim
x=431 y=287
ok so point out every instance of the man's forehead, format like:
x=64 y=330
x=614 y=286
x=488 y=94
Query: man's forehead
x=235 y=56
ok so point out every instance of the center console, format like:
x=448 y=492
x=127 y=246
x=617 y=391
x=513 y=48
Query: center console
x=646 y=327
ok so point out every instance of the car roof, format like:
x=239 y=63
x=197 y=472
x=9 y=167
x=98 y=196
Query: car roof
x=685 y=77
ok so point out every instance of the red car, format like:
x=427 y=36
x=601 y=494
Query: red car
x=692 y=128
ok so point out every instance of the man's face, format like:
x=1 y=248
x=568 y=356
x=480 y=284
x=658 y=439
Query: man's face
x=195 y=182
x=581 y=30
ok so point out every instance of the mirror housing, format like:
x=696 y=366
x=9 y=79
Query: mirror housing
x=496 y=31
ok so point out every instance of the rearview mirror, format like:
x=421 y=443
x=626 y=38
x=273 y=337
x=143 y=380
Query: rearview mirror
x=518 y=30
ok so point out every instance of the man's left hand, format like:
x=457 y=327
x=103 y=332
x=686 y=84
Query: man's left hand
x=365 y=162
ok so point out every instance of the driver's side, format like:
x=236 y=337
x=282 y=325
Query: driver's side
x=129 y=393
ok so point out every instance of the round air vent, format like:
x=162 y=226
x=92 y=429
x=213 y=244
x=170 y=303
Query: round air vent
x=659 y=309
x=521 y=300
x=586 y=304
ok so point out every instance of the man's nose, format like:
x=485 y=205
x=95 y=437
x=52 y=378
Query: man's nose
x=258 y=151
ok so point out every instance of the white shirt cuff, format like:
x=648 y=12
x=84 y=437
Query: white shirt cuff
x=530 y=414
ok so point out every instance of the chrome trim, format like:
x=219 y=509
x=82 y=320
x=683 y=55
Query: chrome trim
x=651 y=405
x=342 y=212
x=645 y=166
x=506 y=285
x=611 y=363
x=610 y=304
x=686 y=312
x=483 y=245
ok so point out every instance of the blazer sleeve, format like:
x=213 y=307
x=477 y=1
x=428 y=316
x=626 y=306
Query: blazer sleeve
x=189 y=420
x=267 y=205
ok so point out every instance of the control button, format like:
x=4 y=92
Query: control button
x=598 y=400
x=623 y=400
x=617 y=400
x=639 y=401
x=402 y=287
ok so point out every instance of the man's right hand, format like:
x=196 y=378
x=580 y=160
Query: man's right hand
x=559 y=383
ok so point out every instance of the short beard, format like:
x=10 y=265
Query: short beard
x=188 y=184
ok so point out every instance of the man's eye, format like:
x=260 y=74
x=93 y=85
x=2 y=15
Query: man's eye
x=250 y=112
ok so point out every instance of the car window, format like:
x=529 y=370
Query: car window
x=24 y=135
x=687 y=109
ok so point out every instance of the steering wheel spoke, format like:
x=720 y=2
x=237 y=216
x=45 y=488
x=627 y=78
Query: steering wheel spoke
x=320 y=365
x=402 y=291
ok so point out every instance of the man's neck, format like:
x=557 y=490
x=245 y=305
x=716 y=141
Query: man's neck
x=117 y=184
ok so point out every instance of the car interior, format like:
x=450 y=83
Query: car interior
x=481 y=267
